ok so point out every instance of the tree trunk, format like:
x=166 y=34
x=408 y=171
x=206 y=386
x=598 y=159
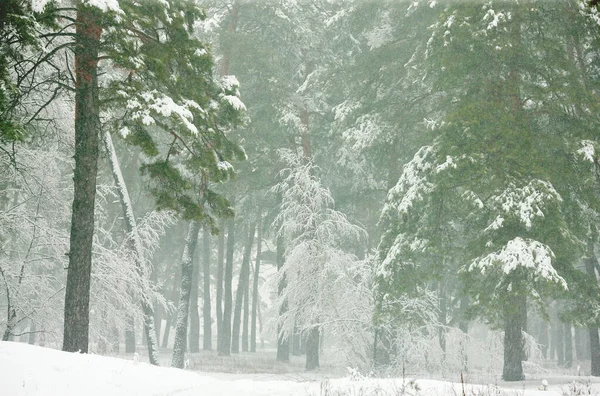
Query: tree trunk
x=595 y=351
x=255 y=297
x=87 y=128
x=220 y=262
x=312 y=348
x=32 y=333
x=513 y=339
x=568 y=346
x=225 y=334
x=130 y=335
x=296 y=342
x=194 y=336
x=443 y=318
x=179 y=346
x=543 y=338
x=167 y=333
x=560 y=345
x=243 y=281
x=207 y=337
x=283 y=341
x=136 y=247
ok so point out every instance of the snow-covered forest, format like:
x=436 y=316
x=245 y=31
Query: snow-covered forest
x=405 y=189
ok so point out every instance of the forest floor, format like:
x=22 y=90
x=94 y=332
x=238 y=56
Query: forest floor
x=27 y=370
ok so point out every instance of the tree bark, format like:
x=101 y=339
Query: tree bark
x=184 y=295
x=225 y=334
x=220 y=262
x=194 y=336
x=255 y=297
x=243 y=281
x=312 y=348
x=207 y=337
x=513 y=338
x=283 y=341
x=87 y=128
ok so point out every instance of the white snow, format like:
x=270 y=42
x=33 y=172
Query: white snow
x=31 y=371
x=587 y=150
x=519 y=252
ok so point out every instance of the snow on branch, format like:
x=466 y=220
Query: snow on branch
x=525 y=202
x=521 y=253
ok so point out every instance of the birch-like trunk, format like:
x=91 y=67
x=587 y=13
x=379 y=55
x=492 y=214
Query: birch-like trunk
x=136 y=246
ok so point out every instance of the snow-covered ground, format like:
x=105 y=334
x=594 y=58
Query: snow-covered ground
x=31 y=370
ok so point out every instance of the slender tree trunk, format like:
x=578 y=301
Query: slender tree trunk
x=167 y=333
x=225 y=334
x=595 y=351
x=443 y=318
x=130 y=335
x=220 y=262
x=568 y=346
x=560 y=346
x=32 y=333
x=87 y=128
x=513 y=339
x=580 y=346
x=593 y=330
x=207 y=338
x=296 y=342
x=312 y=348
x=136 y=247
x=255 y=297
x=194 y=336
x=239 y=295
x=246 y=314
x=184 y=295
x=543 y=338
x=283 y=341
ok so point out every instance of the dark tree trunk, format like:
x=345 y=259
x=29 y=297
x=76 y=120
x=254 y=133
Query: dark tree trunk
x=312 y=348
x=87 y=129
x=283 y=342
x=207 y=337
x=595 y=351
x=568 y=346
x=243 y=281
x=513 y=339
x=255 y=297
x=225 y=334
x=130 y=335
x=187 y=266
x=220 y=262
x=194 y=336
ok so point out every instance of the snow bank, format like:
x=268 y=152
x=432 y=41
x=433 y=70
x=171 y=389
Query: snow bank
x=30 y=370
